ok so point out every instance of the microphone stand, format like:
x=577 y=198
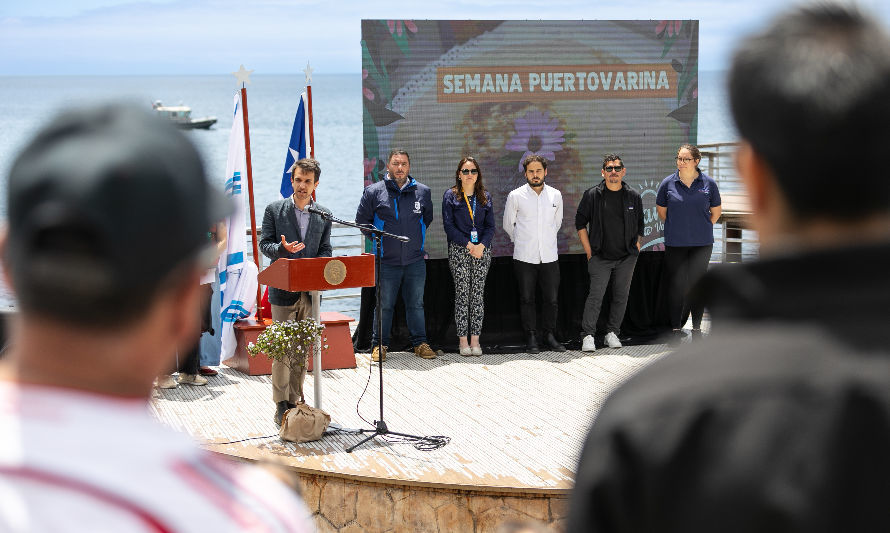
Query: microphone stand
x=380 y=427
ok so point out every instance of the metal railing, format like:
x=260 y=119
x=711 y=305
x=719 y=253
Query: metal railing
x=733 y=241
x=718 y=161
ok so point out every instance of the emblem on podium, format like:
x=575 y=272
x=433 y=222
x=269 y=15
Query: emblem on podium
x=335 y=272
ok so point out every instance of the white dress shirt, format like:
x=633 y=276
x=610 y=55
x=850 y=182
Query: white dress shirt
x=532 y=221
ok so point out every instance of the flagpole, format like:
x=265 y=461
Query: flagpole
x=256 y=252
x=308 y=72
x=311 y=133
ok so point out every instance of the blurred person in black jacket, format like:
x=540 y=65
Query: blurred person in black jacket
x=780 y=420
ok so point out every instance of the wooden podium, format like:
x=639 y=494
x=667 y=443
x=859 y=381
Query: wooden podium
x=301 y=275
x=320 y=273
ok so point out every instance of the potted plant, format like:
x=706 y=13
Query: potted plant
x=289 y=342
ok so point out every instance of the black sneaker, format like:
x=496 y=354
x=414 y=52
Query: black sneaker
x=280 y=409
x=675 y=337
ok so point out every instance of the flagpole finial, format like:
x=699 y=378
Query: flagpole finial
x=308 y=71
x=243 y=75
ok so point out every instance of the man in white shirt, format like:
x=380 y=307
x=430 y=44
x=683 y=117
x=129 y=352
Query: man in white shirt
x=108 y=210
x=532 y=218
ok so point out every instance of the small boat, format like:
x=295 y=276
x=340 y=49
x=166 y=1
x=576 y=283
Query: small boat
x=182 y=116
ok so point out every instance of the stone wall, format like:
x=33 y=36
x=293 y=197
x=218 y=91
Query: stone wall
x=348 y=506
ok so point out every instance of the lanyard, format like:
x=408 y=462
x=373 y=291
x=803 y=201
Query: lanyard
x=471 y=209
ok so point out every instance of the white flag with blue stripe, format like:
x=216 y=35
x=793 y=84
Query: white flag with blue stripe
x=235 y=273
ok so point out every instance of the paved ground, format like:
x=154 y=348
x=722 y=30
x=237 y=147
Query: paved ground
x=515 y=422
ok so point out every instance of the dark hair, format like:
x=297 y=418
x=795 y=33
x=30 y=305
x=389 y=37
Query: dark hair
x=307 y=164
x=813 y=85
x=611 y=157
x=479 y=188
x=398 y=151
x=531 y=159
x=696 y=153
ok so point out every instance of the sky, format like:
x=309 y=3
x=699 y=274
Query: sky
x=124 y=37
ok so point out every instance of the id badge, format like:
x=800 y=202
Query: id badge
x=474 y=237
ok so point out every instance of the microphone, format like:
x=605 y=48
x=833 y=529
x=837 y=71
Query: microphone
x=400 y=238
x=322 y=214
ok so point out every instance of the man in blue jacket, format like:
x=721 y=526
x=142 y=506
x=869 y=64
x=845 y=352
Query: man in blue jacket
x=400 y=205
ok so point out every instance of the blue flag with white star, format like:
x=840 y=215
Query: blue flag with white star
x=298 y=148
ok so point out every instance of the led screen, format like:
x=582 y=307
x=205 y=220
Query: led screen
x=570 y=91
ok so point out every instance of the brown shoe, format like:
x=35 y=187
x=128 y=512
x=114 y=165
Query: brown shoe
x=424 y=350
x=375 y=357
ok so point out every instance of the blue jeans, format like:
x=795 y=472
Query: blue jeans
x=412 y=279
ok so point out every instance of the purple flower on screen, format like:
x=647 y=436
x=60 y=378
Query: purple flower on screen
x=536 y=133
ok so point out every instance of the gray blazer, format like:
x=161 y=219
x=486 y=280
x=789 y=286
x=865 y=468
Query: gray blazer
x=280 y=219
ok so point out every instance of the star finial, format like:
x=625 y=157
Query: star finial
x=296 y=156
x=243 y=75
x=308 y=71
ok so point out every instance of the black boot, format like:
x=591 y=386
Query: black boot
x=531 y=345
x=554 y=344
x=280 y=408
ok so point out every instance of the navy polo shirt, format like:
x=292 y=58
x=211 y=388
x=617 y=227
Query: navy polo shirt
x=688 y=221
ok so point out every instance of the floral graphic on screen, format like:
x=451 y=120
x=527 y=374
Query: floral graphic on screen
x=370 y=167
x=669 y=27
x=536 y=133
x=680 y=31
x=369 y=94
x=395 y=26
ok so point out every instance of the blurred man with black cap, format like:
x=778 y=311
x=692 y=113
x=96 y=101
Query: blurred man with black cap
x=107 y=237
x=779 y=421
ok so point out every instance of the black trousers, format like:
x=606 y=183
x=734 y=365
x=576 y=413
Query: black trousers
x=530 y=276
x=685 y=265
x=189 y=362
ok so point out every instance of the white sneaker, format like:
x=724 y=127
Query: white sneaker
x=192 y=379
x=588 y=345
x=166 y=381
x=612 y=340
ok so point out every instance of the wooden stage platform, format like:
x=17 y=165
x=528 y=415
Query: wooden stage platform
x=516 y=424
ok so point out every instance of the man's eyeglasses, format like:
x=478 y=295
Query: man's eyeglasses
x=685 y=160
x=466 y=171
x=616 y=168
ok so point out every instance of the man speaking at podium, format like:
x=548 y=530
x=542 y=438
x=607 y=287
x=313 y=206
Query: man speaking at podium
x=290 y=231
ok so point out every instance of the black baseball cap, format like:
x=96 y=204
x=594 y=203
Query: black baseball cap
x=103 y=204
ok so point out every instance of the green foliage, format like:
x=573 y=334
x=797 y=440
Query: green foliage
x=288 y=342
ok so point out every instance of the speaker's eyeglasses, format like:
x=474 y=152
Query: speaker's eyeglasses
x=466 y=171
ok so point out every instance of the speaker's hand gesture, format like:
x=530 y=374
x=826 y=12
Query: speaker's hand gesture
x=292 y=247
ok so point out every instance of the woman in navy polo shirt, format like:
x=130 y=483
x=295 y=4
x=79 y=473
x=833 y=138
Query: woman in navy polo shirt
x=689 y=203
x=469 y=224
